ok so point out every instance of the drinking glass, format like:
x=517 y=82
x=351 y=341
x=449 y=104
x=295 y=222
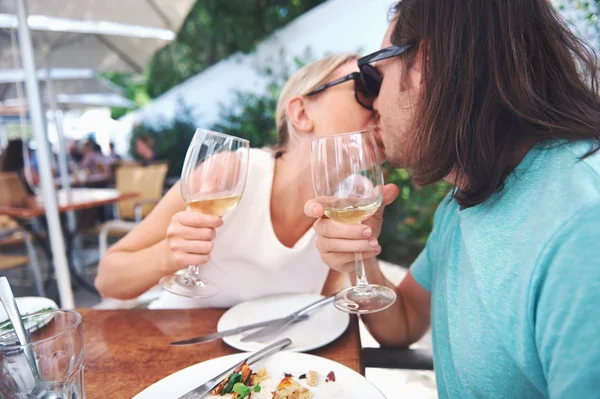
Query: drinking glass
x=212 y=182
x=57 y=347
x=348 y=182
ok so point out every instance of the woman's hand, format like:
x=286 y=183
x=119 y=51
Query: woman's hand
x=338 y=242
x=189 y=239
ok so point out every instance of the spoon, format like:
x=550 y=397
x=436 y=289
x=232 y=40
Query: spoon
x=10 y=305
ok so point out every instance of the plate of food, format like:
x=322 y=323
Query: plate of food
x=323 y=326
x=29 y=305
x=284 y=375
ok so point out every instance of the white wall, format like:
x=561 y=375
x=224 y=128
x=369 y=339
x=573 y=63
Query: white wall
x=334 y=26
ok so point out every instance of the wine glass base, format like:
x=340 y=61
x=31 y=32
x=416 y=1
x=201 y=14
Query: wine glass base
x=374 y=298
x=183 y=286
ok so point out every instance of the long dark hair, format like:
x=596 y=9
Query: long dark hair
x=12 y=159
x=497 y=73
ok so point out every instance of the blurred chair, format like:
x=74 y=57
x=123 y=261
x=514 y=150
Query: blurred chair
x=147 y=181
x=12 y=235
x=12 y=192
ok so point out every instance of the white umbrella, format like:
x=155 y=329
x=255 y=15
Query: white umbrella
x=66 y=81
x=16 y=107
x=70 y=43
x=107 y=54
x=104 y=34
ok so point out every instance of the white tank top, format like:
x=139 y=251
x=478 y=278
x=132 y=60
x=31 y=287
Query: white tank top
x=248 y=260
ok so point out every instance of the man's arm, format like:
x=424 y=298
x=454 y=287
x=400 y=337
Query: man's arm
x=408 y=319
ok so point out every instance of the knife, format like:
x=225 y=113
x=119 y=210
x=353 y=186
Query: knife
x=227 y=333
x=264 y=334
x=203 y=390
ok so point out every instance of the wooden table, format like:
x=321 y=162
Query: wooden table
x=93 y=179
x=126 y=351
x=81 y=198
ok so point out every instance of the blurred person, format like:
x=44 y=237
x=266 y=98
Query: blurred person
x=144 y=147
x=266 y=245
x=95 y=164
x=75 y=151
x=113 y=156
x=499 y=98
x=14 y=160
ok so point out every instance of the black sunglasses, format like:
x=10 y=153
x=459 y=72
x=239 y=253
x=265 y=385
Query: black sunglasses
x=361 y=95
x=370 y=76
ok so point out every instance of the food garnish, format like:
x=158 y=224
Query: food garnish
x=242 y=375
x=330 y=377
x=288 y=388
x=312 y=378
x=242 y=390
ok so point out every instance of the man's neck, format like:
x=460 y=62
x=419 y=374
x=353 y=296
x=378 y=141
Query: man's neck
x=519 y=152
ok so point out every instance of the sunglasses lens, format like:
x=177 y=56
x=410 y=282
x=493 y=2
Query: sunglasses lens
x=363 y=97
x=371 y=79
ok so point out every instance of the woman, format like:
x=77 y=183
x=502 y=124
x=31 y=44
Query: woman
x=13 y=160
x=266 y=245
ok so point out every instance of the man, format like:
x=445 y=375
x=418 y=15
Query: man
x=499 y=98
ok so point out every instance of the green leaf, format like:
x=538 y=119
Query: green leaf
x=244 y=391
x=234 y=379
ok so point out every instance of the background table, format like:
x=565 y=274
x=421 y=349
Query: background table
x=81 y=198
x=126 y=351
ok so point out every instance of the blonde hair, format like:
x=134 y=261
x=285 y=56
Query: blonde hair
x=301 y=83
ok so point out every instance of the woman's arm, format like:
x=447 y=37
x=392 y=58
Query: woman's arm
x=334 y=283
x=136 y=263
x=168 y=239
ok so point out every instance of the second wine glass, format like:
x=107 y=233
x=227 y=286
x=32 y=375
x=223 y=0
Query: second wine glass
x=348 y=182
x=212 y=182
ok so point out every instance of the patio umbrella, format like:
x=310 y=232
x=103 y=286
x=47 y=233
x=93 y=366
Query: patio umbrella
x=103 y=34
x=66 y=81
x=108 y=55
x=15 y=106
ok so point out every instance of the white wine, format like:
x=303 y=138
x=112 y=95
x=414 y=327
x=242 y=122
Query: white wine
x=353 y=214
x=215 y=206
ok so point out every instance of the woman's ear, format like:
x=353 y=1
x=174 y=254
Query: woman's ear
x=298 y=116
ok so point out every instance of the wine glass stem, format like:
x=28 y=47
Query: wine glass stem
x=361 y=278
x=191 y=275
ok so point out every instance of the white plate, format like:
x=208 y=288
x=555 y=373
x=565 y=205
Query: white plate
x=323 y=326
x=28 y=305
x=348 y=384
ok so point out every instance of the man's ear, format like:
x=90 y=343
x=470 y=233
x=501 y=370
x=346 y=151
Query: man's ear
x=297 y=114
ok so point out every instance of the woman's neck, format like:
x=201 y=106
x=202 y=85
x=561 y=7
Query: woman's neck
x=292 y=188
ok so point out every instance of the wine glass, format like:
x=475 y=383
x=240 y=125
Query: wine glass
x=212 y=182
x=348 y=182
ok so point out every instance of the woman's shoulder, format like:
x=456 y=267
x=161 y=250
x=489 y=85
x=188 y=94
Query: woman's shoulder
x=260 y=173
x=262 y=154
x=262 y=158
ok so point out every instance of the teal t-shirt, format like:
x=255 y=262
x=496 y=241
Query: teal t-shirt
x=515 y=283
